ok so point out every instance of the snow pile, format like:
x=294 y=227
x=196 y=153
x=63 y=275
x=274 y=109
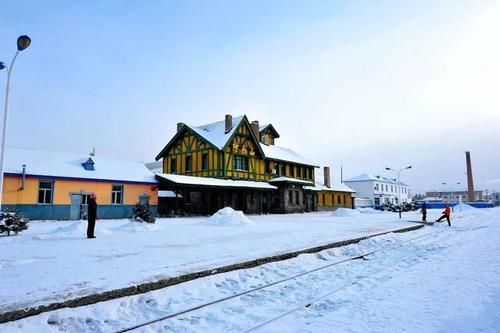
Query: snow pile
x=228 y=217
x=462 y=207
x=368 y=210
x=76 y=229
x=345 y=212
x=134 y=226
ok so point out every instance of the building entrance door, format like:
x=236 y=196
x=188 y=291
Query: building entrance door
x=76 y=201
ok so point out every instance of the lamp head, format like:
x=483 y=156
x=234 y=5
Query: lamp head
x=388 y=168
x=23 y=42
x=2 y=66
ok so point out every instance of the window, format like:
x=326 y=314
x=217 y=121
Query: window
x=308 y=174
x=204 y=161
x=290 y=196
x=85 y=199
x=117 y=194
x=173 y=165
x=377 y=201
x=189 y=163
x=376 y=187
x=283 y=170
x=324 y=199
x=392 y=190
x=338 y=199
x=387 y=188
x=240 y=163
x=297 y=197
x=268 y=166
x=45 y=189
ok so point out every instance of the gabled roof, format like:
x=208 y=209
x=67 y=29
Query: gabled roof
x=271 y=128
x=69 y=165
x=284 y=154
x=214 y=134
x=369 y=177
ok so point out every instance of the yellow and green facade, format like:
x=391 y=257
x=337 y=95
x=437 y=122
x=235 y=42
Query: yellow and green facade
x=260 y=176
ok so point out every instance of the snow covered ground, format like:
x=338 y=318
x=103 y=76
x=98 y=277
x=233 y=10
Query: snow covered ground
x=442 y=279
x=445 y=281
x=53 y=261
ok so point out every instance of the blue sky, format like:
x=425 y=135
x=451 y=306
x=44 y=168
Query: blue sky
x=360 y=83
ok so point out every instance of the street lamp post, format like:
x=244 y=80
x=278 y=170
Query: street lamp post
x=23 y=42
x=398 y=171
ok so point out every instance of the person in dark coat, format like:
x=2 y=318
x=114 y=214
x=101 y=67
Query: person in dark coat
x=424 y=212
x=91 y=215
x=446 y=214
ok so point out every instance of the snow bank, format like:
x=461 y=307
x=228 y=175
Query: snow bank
x=134 y=226
x=462 y=207
x=346 y=212
x=368 y=210
x=76 y=229
x=228 y=217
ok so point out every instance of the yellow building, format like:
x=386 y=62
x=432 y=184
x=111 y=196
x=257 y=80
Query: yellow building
x=50 y=185
x=234 y=163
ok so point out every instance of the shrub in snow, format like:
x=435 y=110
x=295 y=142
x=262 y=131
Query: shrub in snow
x=228 y=217
x=12 y=221
x=141 y=213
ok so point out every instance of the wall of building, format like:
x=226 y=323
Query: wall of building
x=26 y=200
x=331 y=200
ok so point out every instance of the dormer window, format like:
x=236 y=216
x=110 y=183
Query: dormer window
x=88 y=165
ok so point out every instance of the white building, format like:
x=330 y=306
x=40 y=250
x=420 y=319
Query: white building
x=378 y=190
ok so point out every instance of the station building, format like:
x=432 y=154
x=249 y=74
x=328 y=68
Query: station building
x=56 y=186
x=236 y=163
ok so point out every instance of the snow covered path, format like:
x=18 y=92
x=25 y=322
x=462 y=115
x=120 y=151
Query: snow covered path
x=53 y=261
x=445 y=281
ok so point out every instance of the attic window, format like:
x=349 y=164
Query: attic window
x=89 y=165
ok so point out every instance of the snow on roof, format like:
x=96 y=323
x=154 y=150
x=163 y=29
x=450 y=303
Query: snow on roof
x=332 y=188
x=207 y=181
x=290 y=180
x=168 y=194
x=284 y=154
x=156 y=166
x=69 y=165
x=215 y=132
x=369 y=177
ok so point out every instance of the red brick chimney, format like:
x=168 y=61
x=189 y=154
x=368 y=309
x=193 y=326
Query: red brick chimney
x=470 y=181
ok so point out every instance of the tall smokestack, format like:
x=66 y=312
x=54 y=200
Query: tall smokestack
x=326 y=173
x=470 y=181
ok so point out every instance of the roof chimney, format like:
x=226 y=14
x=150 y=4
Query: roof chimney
x=179 y=126
x=470 y=181
x=229 y=123
x=255 y=128
x=326 y=173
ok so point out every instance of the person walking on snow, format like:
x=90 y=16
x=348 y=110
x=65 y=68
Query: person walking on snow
x=91 y=215
x=424 y=212
x=446 y=214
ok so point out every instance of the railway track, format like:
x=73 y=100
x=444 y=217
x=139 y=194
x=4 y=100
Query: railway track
x=332 y=265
